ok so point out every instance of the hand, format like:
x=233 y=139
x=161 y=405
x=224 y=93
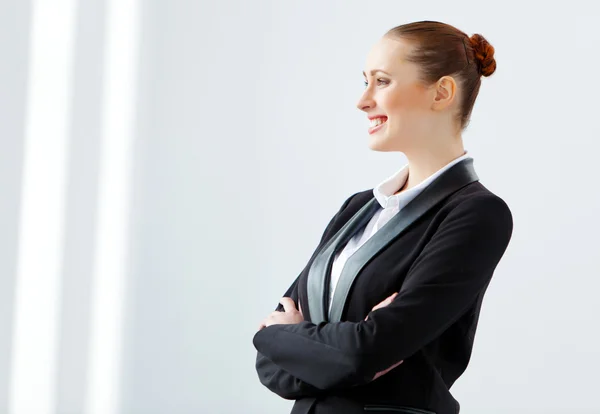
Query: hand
x=290 y=315
x=385 y=371
x=382 y=304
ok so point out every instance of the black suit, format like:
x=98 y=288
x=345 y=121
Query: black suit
x=439 y=254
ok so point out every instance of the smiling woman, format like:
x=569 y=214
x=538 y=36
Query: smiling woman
x=383 y=316
x=408 y=65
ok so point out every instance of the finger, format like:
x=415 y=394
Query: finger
x=385 y=371
x=270 y=319
x=379 y=305
x=383 y=303
x=288 y=304
x=390 y=298
x=386 y=301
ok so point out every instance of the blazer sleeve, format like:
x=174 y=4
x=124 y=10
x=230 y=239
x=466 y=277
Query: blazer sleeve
x=453 y=269
x=271 y=375
x=277 y=379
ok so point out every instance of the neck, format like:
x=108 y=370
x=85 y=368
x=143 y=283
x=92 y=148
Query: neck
x=424 y=162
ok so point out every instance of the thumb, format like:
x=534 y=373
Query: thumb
x=288 y=304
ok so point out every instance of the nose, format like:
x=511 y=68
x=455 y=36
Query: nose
x=365 y=102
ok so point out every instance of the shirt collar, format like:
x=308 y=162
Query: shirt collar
x=384 y=192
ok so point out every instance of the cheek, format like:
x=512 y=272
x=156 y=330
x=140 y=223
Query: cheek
x=404 y=101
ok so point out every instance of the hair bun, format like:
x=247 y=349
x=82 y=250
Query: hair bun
x=484 y=54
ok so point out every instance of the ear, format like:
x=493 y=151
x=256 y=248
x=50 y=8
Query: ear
x=445 y=92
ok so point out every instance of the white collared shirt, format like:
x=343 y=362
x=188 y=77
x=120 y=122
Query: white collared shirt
x=391 y=204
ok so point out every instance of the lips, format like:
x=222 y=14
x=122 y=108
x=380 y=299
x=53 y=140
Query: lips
x=372 y=117
x=383 y=119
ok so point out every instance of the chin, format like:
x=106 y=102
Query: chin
x=380 y=148
x=381 y=143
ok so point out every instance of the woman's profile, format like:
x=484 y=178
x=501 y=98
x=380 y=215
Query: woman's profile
x=383 y=317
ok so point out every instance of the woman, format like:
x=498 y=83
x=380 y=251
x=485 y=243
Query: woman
x=427 y=238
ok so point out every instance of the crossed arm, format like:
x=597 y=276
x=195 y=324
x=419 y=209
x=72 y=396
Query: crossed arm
x=282 y=382
x=453 y=269
x=272 y=375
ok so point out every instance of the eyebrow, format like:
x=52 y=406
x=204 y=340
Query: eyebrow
x=373 y=72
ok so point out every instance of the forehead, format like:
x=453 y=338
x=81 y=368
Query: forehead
x=388 y=54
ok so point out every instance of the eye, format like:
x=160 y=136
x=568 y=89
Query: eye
x=379 y=81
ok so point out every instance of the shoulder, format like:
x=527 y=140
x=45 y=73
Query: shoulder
x=474 y=196
x=477 y=196
x=475 y=205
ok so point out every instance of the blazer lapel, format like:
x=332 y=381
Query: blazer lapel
x=449 y=182
x=452 y=180
x=318 y=275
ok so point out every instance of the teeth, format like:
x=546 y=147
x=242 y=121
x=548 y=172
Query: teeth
x=377 y=121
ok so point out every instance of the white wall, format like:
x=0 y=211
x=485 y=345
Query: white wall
x=14 y=38
x=245 y=110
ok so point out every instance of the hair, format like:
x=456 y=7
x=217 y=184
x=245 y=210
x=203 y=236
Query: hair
x=441 y=49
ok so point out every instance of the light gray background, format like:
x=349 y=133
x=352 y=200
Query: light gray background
x=248 y=140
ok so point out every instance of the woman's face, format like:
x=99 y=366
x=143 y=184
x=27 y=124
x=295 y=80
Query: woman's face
x=395 y=97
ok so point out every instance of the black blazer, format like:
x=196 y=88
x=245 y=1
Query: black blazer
x=439 y=254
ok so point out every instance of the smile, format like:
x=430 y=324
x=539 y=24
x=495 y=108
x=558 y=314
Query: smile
x=377 y=124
